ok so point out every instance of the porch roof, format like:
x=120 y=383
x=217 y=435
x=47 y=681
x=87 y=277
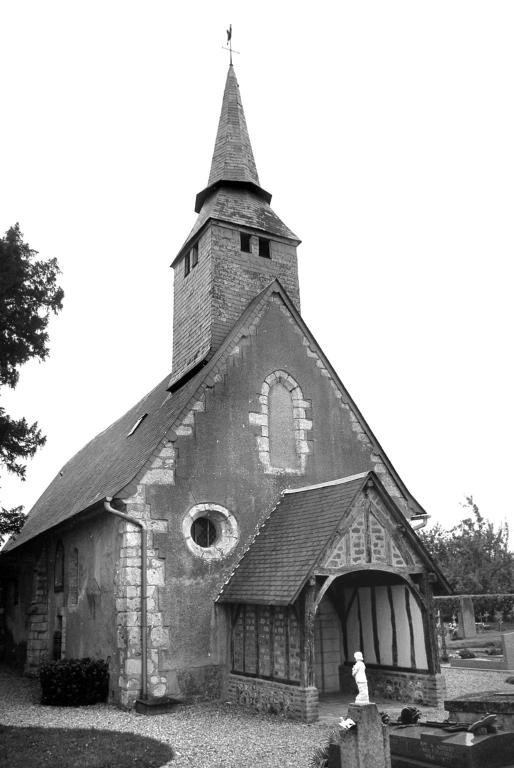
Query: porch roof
x=292 y=541
x=283 y=554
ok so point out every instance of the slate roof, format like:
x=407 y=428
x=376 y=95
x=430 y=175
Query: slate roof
x=233 y=192
x=241 y=207
x=285 y=551
x=113 y=459
x=232 y=159
x=233 y=155
x=109 y=461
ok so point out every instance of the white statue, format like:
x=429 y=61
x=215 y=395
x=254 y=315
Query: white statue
x=359 y=673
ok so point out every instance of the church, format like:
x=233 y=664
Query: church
x=240 y=532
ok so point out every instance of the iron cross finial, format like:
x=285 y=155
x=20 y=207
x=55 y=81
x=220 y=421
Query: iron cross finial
x=228 y=47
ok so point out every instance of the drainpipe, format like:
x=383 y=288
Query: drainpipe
x=144 y=654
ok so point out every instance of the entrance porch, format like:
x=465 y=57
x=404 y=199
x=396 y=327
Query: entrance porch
x=335 y=569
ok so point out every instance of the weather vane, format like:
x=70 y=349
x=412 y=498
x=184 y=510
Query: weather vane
x=228 y=47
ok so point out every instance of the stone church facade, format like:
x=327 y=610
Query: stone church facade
x=240 y=531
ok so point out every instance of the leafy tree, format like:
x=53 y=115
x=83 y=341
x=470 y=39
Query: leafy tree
x=474 y=557
x=28 y=294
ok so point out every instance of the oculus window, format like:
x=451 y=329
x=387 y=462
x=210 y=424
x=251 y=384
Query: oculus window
x=210 y=531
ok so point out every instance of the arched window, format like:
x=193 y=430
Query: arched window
x=73 y=578
x=59 y=567
x=283 y=427
x=282 y=442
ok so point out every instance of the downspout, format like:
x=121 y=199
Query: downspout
x=144 y=654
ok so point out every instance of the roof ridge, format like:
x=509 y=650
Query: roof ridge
x=328 y=483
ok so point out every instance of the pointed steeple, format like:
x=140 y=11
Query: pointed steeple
x=237 y=246
x=233 y=163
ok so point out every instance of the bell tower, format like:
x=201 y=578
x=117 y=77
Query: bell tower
x=237 y=246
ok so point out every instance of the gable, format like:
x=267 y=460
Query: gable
x=370 y=536
x=112 y=460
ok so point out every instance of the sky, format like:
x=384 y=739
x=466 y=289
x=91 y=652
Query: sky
x=384 y=132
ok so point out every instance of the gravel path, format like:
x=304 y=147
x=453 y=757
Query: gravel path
x=204 y=735
x=213 y=734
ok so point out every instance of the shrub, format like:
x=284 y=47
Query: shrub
x=73 y=682
x=465 y=654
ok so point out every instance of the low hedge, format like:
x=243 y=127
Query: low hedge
x=74 y=682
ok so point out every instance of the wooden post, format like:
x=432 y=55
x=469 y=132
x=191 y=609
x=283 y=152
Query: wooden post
x=429 y=624
x=308 y=614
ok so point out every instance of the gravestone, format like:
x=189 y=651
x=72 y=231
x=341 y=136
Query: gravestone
x=508 y=649
x=470 y=707
x=425 y=746
x=461 y=743
x=467 y=626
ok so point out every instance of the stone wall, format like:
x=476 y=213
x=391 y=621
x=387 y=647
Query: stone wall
x=128 y=595
x=270 y=697
x=37 y=638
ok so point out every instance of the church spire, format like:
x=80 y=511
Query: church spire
x=233 y=163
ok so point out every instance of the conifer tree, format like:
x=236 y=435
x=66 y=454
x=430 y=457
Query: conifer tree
x=28 y=294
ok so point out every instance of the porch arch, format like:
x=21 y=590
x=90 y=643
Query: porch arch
x=376 y=611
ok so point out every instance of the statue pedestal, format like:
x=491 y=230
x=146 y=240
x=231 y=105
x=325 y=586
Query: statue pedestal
x=367 y=744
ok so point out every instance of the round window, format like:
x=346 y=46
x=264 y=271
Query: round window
x=203 y=532
x=211 y=531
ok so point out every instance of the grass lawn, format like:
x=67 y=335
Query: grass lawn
x=77 y=748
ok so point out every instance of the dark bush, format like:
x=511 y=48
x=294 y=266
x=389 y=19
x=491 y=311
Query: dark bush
x=465 y=654
x=73 y=682
x=409 y=716
x=494 y=652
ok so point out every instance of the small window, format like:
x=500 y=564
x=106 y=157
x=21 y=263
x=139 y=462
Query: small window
x=204 y=532
x=59 y=568
x=57 y=640
x=136 y=425
x=187 y=264
x=73 y=578
x=245 y=242
x=211 y=532
x=264 y=249
x=194 y=255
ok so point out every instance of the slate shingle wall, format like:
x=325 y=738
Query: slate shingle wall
x=238 y=277
x=192 y=309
